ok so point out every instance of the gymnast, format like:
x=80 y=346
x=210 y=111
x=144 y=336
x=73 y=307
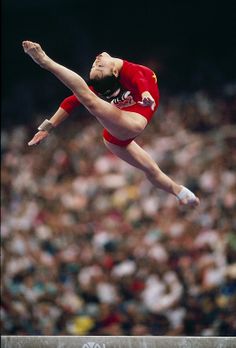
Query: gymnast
x=123 y=97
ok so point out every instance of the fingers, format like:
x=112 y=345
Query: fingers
x=33 y=142
x=38 y=138
x=147 y=102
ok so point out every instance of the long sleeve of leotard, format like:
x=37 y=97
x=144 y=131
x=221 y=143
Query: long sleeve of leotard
x=136 y=78
x=70 y=103
x=140 y=81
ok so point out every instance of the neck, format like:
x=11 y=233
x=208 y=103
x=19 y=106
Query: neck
x=118 y=63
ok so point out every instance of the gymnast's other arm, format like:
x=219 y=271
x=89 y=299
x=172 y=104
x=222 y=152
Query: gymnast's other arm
x=66 y=107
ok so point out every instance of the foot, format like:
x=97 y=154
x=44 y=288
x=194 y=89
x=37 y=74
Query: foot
x=35 y=51
x=187 y=197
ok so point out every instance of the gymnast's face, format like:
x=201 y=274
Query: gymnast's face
x=102 y=66
x=103 y=75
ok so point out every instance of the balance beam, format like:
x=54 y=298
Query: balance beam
x=116 y=342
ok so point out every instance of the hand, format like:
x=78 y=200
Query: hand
x=38 y=137
x=147 y=100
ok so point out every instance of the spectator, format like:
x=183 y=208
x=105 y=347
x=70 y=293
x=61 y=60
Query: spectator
x=89 y=248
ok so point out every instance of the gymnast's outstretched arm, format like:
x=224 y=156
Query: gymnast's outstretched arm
x=59 y=116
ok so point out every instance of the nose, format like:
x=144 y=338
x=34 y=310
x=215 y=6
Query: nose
x=102 y=54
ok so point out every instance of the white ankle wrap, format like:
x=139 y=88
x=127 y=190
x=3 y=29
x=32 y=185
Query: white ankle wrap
x=186 y=193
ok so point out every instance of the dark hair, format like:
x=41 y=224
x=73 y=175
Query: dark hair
x=106 y=85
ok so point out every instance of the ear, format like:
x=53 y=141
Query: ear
x=115 y=72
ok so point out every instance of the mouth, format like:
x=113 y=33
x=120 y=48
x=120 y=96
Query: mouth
x=98 y=58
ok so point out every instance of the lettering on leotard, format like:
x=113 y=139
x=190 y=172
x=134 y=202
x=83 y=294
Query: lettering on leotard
x=125 y=99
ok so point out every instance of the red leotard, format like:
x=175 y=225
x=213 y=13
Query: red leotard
x=134 y=80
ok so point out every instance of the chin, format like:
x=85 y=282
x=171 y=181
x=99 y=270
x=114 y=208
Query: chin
x=96 y=76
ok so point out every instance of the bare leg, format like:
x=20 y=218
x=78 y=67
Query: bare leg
x=137 y=157
x=122 y=124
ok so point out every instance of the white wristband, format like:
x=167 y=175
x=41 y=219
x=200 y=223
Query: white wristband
x=46 y=126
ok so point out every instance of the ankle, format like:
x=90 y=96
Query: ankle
x=176 y=189
x=45 y=62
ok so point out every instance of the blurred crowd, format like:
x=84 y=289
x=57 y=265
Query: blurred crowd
x=90 y=247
